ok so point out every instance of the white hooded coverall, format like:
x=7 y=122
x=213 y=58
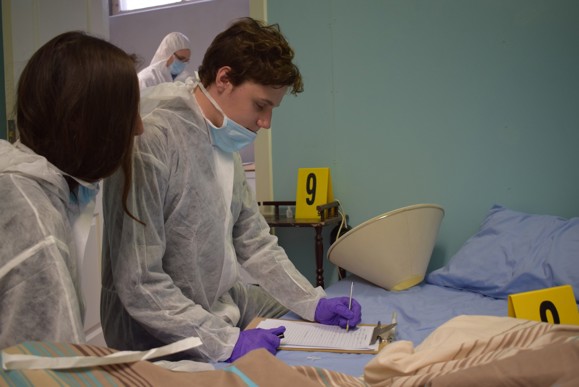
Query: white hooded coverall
x=177 y=276
x=40 y=297
x=157 y=71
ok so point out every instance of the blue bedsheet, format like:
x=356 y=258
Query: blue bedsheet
x=420 y=310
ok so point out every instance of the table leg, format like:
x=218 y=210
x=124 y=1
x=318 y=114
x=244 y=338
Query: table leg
x=319 y=257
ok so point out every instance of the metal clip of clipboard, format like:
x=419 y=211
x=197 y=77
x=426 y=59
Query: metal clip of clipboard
x=381 y=332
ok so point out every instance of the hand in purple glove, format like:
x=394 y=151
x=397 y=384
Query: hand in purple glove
x=334 y=311
x=257 y=338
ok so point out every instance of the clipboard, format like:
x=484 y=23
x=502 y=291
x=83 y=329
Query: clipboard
x=255 y=322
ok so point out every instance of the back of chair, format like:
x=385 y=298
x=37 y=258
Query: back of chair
x=391 y=250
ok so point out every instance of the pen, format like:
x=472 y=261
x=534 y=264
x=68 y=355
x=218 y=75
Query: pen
x=350 y=305
x=281 y=335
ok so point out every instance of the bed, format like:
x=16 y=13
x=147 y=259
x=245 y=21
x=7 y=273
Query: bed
x=511 y=252
x=452 y=328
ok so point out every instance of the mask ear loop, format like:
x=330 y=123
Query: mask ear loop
x=198 y=83
x=195 y=82
x=210 y=98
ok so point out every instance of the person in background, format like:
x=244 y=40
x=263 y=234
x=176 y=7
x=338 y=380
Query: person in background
x=168 y=63
x=177 y=276
x=77 y=113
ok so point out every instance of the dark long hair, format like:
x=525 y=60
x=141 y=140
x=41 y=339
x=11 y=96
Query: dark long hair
x=78 y=106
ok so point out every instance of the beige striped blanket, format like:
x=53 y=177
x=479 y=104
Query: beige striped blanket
x=257 y=368
x=482 y=351
x=465 y=351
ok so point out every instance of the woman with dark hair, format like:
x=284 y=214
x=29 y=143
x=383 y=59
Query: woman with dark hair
x=77 y=113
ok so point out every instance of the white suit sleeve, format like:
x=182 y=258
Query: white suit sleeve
x=267 y=262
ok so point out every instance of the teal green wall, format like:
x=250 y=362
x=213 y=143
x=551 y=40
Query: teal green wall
x=464 y=103
x=3 y=123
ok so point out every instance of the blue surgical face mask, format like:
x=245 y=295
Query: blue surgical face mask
x=177 y=67
x=85 y=194
x=230 y=137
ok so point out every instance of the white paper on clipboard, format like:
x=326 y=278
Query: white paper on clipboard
x=307 y=335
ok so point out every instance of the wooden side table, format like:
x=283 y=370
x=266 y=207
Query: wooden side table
x=328 y=216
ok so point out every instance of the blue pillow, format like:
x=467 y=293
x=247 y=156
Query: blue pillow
x=515 y=252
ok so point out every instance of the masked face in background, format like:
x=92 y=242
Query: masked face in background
x=180 y=61
x=177 y=67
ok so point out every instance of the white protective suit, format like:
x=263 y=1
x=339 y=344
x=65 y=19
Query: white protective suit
x=157 y=71
x=177 y=276
x=40 y=296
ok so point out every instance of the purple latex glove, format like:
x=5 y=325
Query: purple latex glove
x=257 y=338
x=334 y=311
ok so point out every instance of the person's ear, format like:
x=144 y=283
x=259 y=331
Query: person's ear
x=222 y=78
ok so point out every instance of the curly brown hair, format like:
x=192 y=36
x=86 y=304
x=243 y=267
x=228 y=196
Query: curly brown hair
x=255 y=52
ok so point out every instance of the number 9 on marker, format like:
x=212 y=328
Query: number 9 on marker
x=314 y=189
